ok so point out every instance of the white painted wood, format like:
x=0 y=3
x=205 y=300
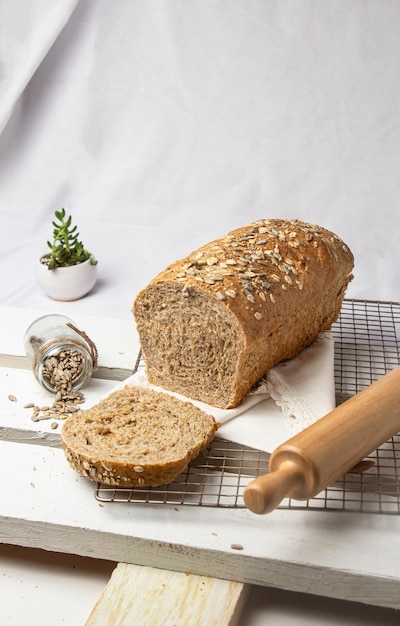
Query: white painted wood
x=137 y=595
x=116 y=340
x=46 y=504
x=108 y=373
x=342 y=555
x=22 y=385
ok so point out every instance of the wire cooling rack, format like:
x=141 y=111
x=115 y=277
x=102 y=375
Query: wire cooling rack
x=366 y=347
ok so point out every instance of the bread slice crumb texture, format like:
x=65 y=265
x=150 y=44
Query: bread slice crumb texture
x=136 y=437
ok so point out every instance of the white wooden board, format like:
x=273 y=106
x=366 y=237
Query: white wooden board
x=351 y=556
x=44 y=503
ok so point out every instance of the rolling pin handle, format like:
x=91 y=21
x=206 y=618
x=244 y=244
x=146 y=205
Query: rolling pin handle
x=265 y=493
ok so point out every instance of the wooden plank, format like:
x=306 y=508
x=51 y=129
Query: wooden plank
x=146 y=595
x=34 y=437
x=116 y=340
x=21 y=385
x=45 y=505
x=102 y=372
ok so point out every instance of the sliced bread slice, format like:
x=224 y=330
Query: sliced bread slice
x=136 y=437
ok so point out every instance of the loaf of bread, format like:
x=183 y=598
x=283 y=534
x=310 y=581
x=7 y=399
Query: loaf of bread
x=212 y=324
x=136 y=437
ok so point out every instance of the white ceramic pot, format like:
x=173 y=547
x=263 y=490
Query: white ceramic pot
x=66 y=283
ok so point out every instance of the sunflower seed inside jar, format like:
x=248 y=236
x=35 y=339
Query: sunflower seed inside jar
x=63 y=359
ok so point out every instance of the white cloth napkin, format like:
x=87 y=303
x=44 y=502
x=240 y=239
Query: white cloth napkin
x=293 y=395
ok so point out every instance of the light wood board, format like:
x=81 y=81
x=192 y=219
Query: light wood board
x=146 y=595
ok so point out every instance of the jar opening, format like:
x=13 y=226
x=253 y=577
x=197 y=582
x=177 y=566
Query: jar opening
x=63 y=366
x=62 y=356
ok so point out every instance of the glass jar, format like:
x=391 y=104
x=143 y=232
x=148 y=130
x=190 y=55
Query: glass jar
x=63 y=358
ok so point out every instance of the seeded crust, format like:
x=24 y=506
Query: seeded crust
x=136 y=437
x=212 y=324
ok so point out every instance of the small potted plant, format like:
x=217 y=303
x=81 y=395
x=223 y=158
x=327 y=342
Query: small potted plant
x=68 y=271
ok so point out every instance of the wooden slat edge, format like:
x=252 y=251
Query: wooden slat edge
x=107 y=373
x=367 y=587
x=35 y=437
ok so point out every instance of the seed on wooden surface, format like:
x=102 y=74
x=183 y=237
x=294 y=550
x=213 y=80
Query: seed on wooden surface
x=231 y=293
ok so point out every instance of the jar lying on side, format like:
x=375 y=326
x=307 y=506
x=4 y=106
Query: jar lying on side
x=63 y=358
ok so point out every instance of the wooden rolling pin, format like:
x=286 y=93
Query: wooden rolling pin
x=307 y=463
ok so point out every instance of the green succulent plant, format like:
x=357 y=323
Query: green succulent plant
x=66 y=249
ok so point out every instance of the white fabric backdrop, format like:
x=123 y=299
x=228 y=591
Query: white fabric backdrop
x=161 y=125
